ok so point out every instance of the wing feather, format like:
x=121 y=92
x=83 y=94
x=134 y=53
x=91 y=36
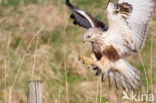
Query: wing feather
x=129 y=20
x=84 y=19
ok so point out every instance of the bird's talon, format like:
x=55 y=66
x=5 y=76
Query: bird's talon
x=98 y=72
x=83 y=62
x=82 y=58
x=88 y=63
x=104 y=75
x=95 y=68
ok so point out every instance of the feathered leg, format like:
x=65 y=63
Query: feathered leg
x=102 y=66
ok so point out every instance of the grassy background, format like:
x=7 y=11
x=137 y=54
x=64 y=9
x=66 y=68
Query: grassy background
x=39 y=42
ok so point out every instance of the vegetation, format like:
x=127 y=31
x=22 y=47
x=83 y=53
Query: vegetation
x=39 y=42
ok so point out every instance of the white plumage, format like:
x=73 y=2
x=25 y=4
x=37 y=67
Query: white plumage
x=133 y=28
x=138 y=20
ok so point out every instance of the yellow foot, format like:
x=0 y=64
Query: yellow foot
x=86 y=60
x=88 y=63
x=82 y=58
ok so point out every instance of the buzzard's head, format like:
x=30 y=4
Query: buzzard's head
x=92 y=34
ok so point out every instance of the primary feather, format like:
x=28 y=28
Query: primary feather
x=84 y=19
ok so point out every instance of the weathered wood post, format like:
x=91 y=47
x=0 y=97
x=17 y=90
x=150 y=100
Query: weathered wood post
x=34 y=92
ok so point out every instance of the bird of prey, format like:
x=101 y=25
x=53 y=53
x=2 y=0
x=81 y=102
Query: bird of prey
x=128 y=25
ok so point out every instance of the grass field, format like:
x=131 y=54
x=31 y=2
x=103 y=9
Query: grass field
x=39 y=42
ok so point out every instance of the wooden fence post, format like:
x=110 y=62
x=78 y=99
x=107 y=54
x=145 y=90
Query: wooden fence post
x=34 y=92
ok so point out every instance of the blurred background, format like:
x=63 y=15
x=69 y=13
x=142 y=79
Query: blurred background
x=39 y=42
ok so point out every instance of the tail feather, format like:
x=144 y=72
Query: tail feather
x=110 y=78
x=123 y=81
x=125 y=74
x=104 y=76
x=116 y=80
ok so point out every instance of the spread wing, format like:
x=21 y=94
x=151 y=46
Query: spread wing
x=84 y=19
x=129 y=20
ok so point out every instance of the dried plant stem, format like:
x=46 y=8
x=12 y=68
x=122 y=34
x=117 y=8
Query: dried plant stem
x=16 y=76
x=34 y=63
x=101 y=92
x=97 y=89
x=144 y=71
x=34 y=37
x=151 y=67
x=66 y=82
x=44 y=58
x=10 y=94
x=59 y=94
x=30 y=42
x=5 y=81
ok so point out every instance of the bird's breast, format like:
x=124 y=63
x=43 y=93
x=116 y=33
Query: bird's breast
x=96 y=48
